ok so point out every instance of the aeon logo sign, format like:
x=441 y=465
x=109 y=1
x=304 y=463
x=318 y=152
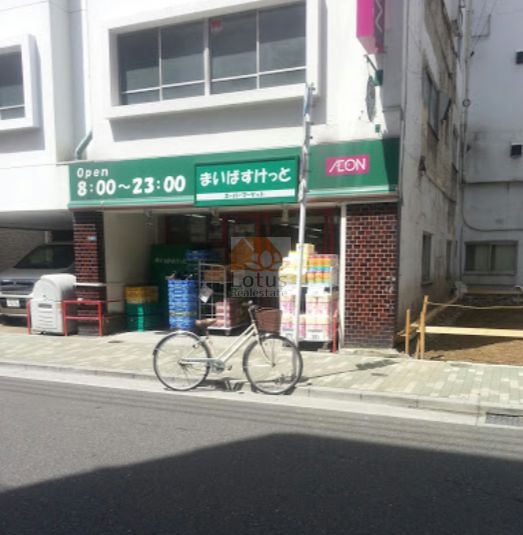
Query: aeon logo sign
x=347 y=165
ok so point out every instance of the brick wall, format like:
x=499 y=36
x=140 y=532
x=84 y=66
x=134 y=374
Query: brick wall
x=371 y=275
x=89 y=259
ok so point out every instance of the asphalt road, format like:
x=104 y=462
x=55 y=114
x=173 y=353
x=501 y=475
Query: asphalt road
x=81 y=460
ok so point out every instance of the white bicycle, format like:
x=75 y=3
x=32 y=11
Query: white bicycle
x=272 y=363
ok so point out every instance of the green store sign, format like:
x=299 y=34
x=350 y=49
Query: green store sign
x=337 y=170
x=132 y=182
x=265 y=182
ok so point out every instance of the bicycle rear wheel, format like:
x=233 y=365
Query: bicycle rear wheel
x=180 y=360
x=274 y=365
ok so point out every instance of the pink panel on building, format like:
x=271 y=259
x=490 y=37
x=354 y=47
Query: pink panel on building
x=370 y=25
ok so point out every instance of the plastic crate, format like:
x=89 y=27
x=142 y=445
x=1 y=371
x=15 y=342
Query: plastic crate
x=144 y=323
x=182 y=322
x=142 y=309
x=141 y=294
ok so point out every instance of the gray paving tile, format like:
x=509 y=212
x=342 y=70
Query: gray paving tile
x=132 y=352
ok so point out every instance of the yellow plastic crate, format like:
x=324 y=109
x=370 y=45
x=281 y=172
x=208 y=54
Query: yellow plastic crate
x=137 y=295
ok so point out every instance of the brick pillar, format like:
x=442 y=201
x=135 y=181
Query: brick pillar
x=371 y=275
x=89 y=258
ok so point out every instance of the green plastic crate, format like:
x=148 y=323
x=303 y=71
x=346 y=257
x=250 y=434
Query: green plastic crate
x=145 y=323
x=143 y=309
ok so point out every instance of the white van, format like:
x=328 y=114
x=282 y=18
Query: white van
x=17 y=283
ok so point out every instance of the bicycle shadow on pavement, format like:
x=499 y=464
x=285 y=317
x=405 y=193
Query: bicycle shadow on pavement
x=354 y=368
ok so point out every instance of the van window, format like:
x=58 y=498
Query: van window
x=49 y=256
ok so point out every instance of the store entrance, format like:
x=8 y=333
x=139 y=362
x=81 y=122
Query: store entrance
x=204 y=239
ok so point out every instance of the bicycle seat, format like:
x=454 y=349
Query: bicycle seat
x=203 y=324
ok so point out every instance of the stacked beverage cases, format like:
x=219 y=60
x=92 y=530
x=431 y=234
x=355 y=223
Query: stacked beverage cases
x=183 y=303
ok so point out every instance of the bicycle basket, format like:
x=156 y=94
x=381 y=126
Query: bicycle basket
x=268 y=319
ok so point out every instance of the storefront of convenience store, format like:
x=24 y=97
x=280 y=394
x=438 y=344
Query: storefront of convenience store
x=137 y=221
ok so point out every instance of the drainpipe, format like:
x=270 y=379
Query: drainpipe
x=464 y=133
x=78 y=152
x=403 y=136
x=84 y=142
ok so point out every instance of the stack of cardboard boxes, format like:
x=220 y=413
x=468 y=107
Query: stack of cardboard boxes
x=317 y=312
x=229 y=313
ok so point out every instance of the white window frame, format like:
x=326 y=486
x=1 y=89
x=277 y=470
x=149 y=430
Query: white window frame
x=26 y=46
x=197 y=10
x=490 y=271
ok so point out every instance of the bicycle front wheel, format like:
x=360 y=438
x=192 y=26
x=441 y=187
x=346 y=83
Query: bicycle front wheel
x=273 y=365
x=181 y=360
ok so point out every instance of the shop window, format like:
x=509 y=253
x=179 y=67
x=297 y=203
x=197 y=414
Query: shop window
x=491 y=258
x=230 y=53
x=17 y=84
x=214 y=230
x=190 y=228
x=426 y=258
x=431 y=101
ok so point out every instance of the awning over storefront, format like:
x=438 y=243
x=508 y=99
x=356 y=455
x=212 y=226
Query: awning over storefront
x=349 y=169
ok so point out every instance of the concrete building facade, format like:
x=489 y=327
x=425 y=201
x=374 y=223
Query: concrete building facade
x=492 y=222
x=125 y=103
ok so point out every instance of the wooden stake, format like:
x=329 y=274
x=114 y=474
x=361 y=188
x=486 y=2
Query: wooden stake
x=407 y=331
x=422 y=324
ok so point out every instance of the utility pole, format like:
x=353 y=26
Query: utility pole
x=302 y=199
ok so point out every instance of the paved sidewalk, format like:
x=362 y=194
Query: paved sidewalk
x=384 y=377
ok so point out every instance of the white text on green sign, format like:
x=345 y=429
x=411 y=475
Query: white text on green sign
x=269 y=181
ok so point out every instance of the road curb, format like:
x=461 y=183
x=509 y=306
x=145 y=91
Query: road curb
x=77 y=371
x=462 y=406
x=452 y=405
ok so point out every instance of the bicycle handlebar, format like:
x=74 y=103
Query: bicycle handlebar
x=250 y=305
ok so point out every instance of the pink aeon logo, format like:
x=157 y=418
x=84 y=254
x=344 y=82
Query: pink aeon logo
x=358 y=164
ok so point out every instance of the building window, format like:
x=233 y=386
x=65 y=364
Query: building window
x=449 y=272
x=238 y=52
x=161 y=64
x=431 y=102
x=491 y=258
x=426 y=258
x=516 y=150
x=18 y=83
x=11 y=86
x=519 y=57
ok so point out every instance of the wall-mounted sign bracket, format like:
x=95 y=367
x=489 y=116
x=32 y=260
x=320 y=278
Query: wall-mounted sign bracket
x=377 y=78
